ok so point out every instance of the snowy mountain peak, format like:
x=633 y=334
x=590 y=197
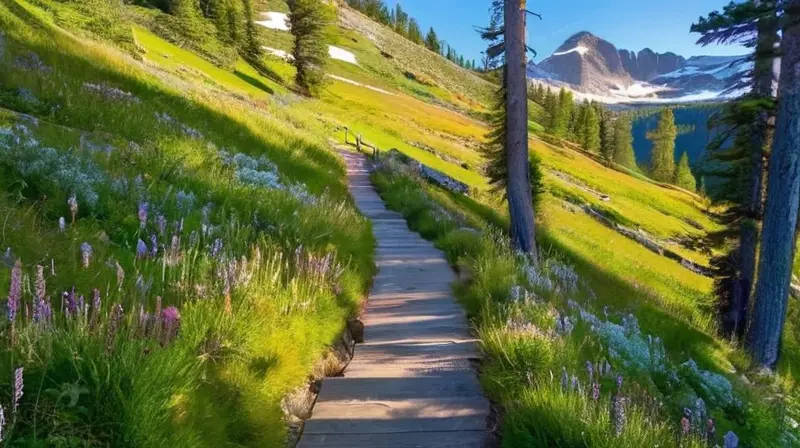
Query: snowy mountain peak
x=595 y=69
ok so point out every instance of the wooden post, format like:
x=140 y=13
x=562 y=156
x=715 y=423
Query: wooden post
x=345 y=135
x=358 y=142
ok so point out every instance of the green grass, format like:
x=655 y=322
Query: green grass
x=221 y=380
x=526 y=354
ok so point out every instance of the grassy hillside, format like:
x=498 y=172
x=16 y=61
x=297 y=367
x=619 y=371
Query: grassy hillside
x=212 y=223
x=139 y=119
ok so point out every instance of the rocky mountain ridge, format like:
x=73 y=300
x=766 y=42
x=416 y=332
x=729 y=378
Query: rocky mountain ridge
x=595 y=69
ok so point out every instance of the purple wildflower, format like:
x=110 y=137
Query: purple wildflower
x=43 y=312
x=113 y=326
x=590 y=369
x=216 y=247
x=141 y=249
x=595 y=391
x=170 y=319
x=575 y=385
x=143 y=206
x=72 y=202
x=72 y=304
x=618 y=412
x=162 y=224
x=62 y=224
x=730 y=440
x=15 y=291
x=86 y=254
x=154 y=245
x=564 y=378
x=619 y=382
x=41 y=285
x=18 y=389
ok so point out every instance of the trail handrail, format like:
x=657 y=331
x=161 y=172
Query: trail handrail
x=359 y=143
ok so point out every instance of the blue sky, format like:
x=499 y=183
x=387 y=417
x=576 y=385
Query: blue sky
x=662 y=25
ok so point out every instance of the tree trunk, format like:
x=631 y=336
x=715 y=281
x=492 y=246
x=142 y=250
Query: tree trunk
x=763 y=78
x=520 y=200
x=783 y=199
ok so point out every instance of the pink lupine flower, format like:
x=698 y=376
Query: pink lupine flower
x=686 y=426
x=171 y=321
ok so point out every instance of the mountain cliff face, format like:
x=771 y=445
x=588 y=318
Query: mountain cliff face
x=596 y=69
x=588 y=61
x=648 y=64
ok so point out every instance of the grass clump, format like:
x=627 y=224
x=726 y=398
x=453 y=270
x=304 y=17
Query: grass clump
x=567 y=369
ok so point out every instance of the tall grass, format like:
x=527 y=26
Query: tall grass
x=213 y=255
x=566 y=370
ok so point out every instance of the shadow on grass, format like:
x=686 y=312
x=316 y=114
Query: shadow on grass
x=680 y=337
x=296 y=157
x=253 y=82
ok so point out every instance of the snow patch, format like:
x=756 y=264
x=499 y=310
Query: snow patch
x=274 y=20
x=637 y=90
x=279 y=53
x=341 y=54
x=580 y=49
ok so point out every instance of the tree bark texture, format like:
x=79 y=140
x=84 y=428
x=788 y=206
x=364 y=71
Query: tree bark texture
x=520 y=200
x=783 y=199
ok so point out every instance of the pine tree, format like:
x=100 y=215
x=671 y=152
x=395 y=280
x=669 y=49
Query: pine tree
x=591 y=132
x=414 y=33
x=563 y=114
x=432 y=41
x=509 y=137
x=552 y=110
x=783 y=200
x=683 y=174
x=662 y=159
x=309 y=21
x=251 y=49
x=753 y=24
x=400 y=20
x=606 y=135
x=623 y=142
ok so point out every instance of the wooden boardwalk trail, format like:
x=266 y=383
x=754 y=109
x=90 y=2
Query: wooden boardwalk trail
x=411 y=383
